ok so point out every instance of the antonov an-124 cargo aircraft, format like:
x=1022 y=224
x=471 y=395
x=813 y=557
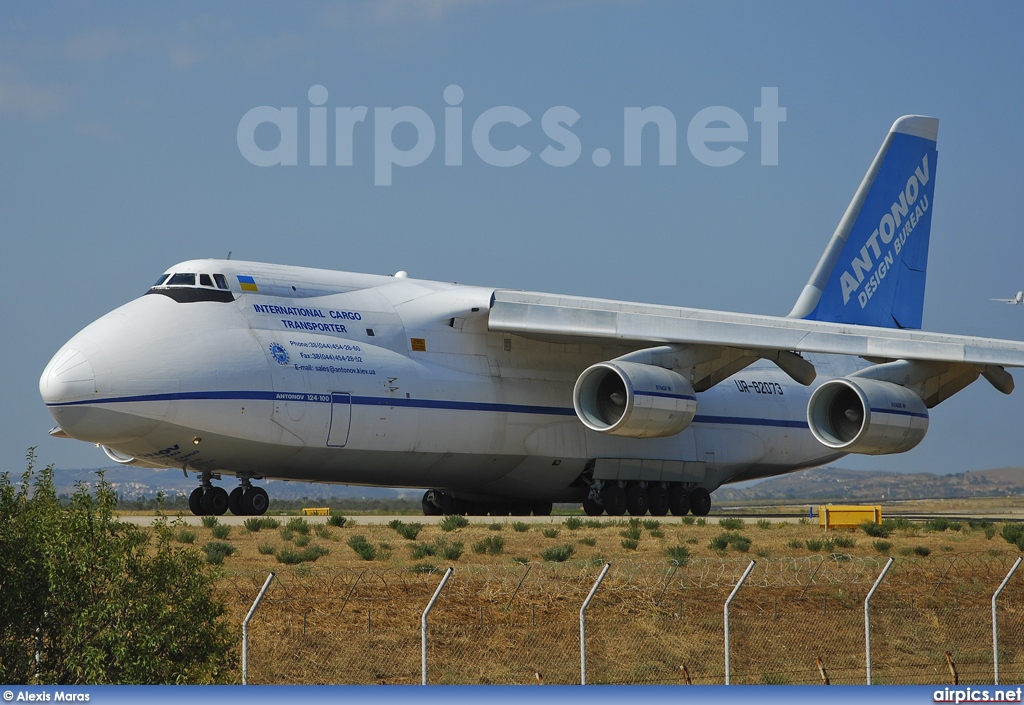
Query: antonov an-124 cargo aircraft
x=504 y=401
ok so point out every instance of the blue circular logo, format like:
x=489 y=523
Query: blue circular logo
x=279 y=353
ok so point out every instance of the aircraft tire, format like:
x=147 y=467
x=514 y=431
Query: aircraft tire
x=679 y=501
x=195 y=501
x=700 y=502
x=591 y=508
x=614 y=498
x=235 y=501
x=637 y=501
x=215 y=501
x=429 y=508
x=542 y=509
x=657 y=500
x=255 y=502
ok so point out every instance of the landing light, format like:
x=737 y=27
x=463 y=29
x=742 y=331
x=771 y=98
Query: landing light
x=196 y=440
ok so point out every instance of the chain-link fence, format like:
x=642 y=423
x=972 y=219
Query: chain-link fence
x=792 y=621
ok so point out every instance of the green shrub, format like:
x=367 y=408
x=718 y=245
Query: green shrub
x=938 y=524
x=700 y=521
x=421 y=550
x=358 y=543
x=1012 y=532
x=449 y=551
x=216 y=550
x=336 y=520
x=737 y=541
x=657 y=533
x=306 y=555
x=632 y=533
x=922 y=551
x=906 y=551
x=558 y=554
x=589 y=540
x=678 y=555
x=688 y=520
x=651 y=524
x=731 y=523
x=496 y=526
x=252 y=524
x=630 y=544
x=287 y=534
x=990 y=531
x=763 y=553
x=878 y=531
x=210 y=521
x=593 y=523
x=221 y=531
x=520 y=526
x=842 y=541
x=185 y=536
x=764 y=524
x=549 y=532
x=301 y=541
x=795 y=543
x=897 y=523
x=815 y=545
x=299 y=526
x=573 y=523
x=323 y=531
x=406 y=531
x=453 y=522
x=492 y=545
x=882 y=546
x=266 y=549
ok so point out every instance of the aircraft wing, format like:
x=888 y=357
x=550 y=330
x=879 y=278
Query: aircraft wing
x=570 y=318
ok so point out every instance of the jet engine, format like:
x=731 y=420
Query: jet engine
x=635 y=400
x=867 y=416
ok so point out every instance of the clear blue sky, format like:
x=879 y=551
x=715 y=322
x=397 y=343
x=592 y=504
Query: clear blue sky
x=118 y=136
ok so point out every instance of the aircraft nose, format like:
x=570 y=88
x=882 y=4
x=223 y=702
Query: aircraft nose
x=69 y=377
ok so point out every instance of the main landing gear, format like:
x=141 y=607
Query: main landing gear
x=245 y=500
x=640 y=498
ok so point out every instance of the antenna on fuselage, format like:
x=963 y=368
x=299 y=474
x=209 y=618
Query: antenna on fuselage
x=229 y=254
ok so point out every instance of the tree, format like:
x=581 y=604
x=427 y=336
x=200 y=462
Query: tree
x=99 y=600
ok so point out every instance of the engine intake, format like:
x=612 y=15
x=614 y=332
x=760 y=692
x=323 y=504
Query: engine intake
x=635 y=400
x=867 y=416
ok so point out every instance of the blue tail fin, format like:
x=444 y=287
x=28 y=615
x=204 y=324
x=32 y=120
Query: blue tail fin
x=873 y=270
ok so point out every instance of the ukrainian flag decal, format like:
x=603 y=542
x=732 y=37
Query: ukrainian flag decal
x=247 y=283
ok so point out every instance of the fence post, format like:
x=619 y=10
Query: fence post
x=245 y=629
x=995 y=632
x=583 y=624
x=867 y=617
x=727 y=603
x=423 y=621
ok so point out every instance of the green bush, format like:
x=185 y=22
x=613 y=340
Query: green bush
x=589 y=540
x=842 y=541
x=651 y=524
x=358 y=543
x=252 y=524
x=593 y=523
x=573 y=523
x=815 y=545
x=878 y=531
x=301 y=541
x=520 y=526
x=449 y=551
x=938 y=524
x=922 y=551
x=185 y=536
x=678 y=555
x=492 y=545
x=421 y=550
x=406 y=531
x=453 y=522
x=336 y=520
x=630 y=544
x=795 y=543
x=731 y=523
x=737 y=541
x=1012 y=533
x=495 y=526
x=323 y=531
x=632 y=533
x=657 y=533
x=700 y=521
x=764 y=524
x=549 y=532
x=266 y=549
x=210 y=521
x=558 y=554
x=882 y=546
x=216 y=551
x=688 y=520
x=221 y=531
x=287 y=534
x=299 y=526
x=307 y=555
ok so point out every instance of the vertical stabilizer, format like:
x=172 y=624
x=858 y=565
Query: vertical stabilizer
x=873 y=270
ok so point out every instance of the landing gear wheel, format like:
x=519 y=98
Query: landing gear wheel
x=636 y=501
x=429 y=508
x=591 y=508
x=679 y=501
x=215 y=501
x=542 y=509
x=700 y=502
x=195 y=501
x=614 y=498
x=255 y=501
x=235 y=501
x=657 y=500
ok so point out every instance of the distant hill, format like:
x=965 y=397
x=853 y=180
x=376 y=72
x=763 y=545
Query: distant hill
x=132 y=483
x=837 y=484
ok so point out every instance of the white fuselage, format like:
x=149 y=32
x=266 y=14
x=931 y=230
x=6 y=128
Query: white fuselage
x=374 y=380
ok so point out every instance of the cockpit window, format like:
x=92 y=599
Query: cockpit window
x=204 y=280
x=160 y=280
x=182 y=280
x=222 y=282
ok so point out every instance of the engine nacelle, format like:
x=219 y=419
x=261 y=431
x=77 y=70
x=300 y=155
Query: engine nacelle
x=867 y=416
x=635 y=400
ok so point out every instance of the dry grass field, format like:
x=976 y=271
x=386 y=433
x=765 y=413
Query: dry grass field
x=510 y=613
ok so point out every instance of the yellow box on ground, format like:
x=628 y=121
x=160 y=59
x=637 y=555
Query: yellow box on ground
x=316 y=511
x=845 y=516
